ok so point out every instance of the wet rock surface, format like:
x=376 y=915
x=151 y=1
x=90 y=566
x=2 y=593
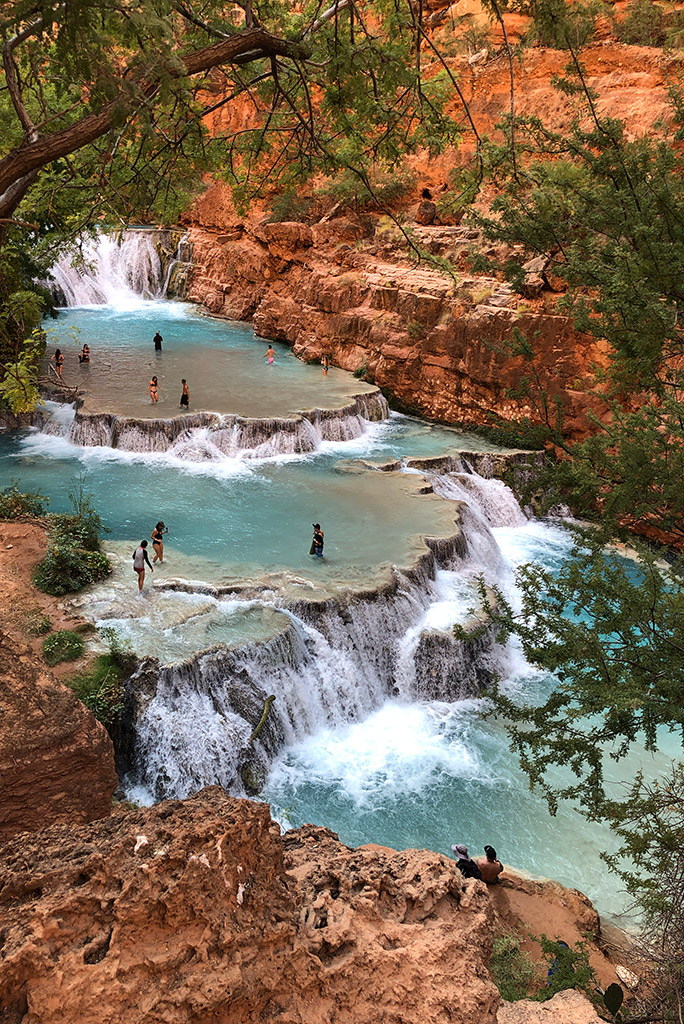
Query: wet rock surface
x=200 y=911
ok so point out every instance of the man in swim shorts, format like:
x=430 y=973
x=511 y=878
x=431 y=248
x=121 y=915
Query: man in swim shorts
x=158 y=342
x=140 y=557
x=185 y=396
x=271 y=354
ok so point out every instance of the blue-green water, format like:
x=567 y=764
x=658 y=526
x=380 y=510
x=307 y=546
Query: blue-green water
x=424 y=774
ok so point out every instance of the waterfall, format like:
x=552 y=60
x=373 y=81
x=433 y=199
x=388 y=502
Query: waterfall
x=117 y=270
x=213 y=437
x=337 y=662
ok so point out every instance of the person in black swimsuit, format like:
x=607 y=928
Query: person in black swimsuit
x=158 y=541
x=158 y=342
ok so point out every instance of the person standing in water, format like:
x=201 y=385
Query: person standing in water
x=158 y=541
x=153 y=390
x=325 y=362
x=317 y=542
x=158 y=342
x=140 y=557
x=271 y=354
x=185 y=395
x=59 y=362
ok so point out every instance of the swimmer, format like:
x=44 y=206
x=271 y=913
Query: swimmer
x=84 y=355
x=59 y=362
x=270 y=355
x=152 y=390
x=325 y=362
x=139 y=559
x=157 y=342
x=157 y=536
x=185 y=396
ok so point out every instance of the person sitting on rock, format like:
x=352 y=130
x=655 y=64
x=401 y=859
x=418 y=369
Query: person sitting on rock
x=466 y=866
x=490 y=867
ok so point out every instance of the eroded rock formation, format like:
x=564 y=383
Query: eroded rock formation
x=56 y=760
x=200 y=911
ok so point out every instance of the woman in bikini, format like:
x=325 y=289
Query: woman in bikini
x=158 y=541
x=59 y=362
x=152 y=389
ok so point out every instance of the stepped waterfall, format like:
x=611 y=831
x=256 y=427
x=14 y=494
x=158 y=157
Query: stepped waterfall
x=190 y=723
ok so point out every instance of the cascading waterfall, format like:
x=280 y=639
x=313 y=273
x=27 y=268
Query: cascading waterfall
x=213 y=437
x=336 y=663
x=118 y=270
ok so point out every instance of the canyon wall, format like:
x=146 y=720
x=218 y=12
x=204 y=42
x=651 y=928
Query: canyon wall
x=347 y=284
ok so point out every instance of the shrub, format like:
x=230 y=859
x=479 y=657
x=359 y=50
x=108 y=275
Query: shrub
x=415 y=330
x=101 y=689
x=16 y=504
x=62 y=646
x=67 y=568
x=37 y=623
x=569 y=966
x=289 y=205
x=643 y=24
x=73 y=558
x=511 y=968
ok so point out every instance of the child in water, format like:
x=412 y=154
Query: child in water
x=271 y=354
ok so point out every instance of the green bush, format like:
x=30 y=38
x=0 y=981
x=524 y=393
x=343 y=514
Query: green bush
x=73 y=558
x=62 y=646
x=570 y=968
x=16 y=504
x=101 y=689
x=511 y=968
x=643 y=24
x=67 y=568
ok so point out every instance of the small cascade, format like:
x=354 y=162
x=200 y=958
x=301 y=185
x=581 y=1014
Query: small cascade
x=212 y=437
x=178 y=271
x=113 y=269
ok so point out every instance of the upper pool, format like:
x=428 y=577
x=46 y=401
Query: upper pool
x=221 y=360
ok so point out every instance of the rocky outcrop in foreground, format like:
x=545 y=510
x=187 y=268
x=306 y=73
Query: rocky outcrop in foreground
x=199 y=911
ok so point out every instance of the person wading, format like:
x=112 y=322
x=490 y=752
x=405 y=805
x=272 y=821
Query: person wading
x=185 y=395
x=153 y=389
x=317 y=542
x=140 y=558
x=157 y=537
x=158 y=342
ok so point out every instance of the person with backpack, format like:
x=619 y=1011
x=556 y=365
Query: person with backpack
x=466 y=866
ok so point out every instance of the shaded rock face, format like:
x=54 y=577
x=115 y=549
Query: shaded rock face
x=200 y=911
x=56 y=760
